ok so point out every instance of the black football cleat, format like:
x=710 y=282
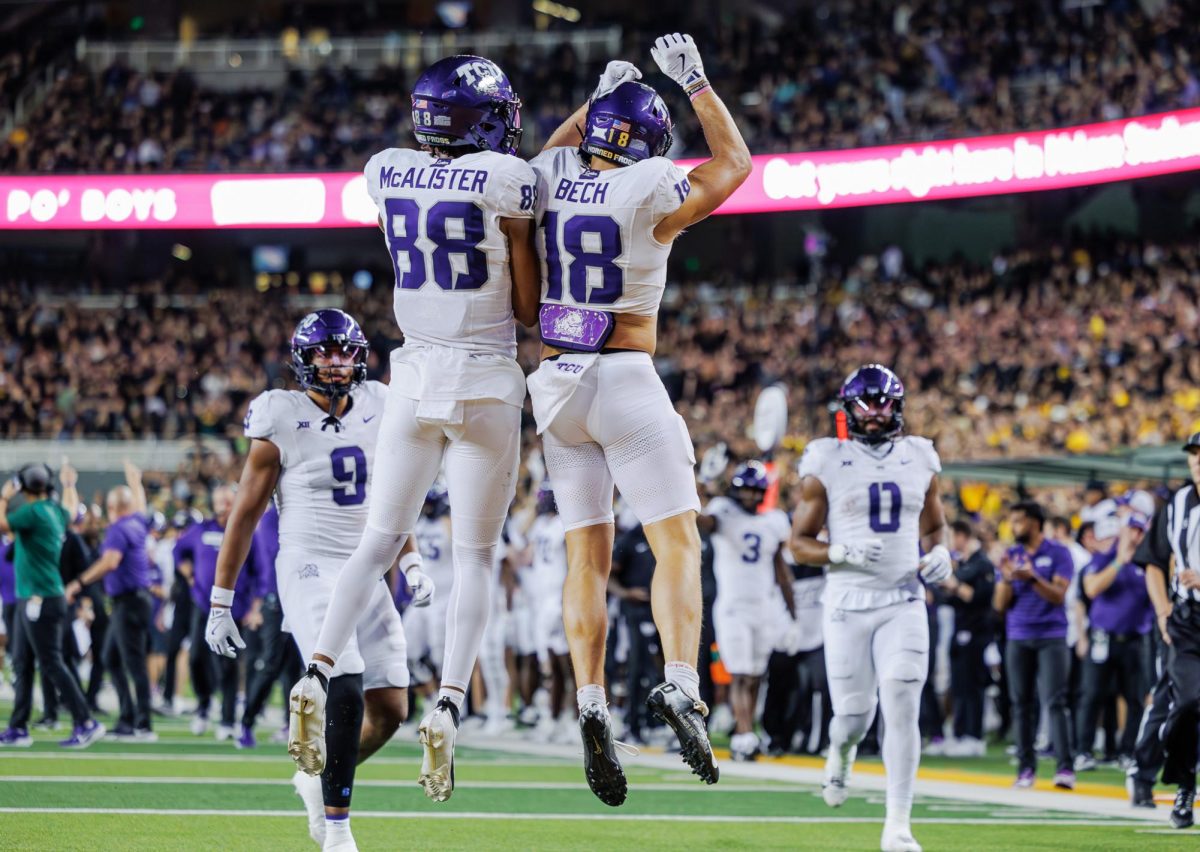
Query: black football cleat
x=685 y=716
x=1141 y=793
x=1181 y=814
x=600 y=764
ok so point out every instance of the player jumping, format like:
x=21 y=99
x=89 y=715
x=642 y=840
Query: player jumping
x=313 y=448
x=611 y=204
x=878 y=496
x=457 y=216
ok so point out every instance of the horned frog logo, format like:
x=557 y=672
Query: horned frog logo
x=569 y=325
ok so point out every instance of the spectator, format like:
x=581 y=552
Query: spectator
x=1031 y=590
x=969 y=591
x=1119 y=618
x=125 y=568
x=38 y=528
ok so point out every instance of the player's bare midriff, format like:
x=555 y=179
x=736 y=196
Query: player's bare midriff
x=631 y=332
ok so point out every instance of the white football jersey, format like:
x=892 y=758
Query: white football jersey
x=437 y=560
x=597 y=230
x=441 y=221
x=322 y=490
x=744 y=548
x=874 y=492
x=549 y=541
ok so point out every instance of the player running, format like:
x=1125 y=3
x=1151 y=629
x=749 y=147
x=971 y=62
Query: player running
x=610 y=205
x=425 y=627
x=749 y=567
x=457 y=216
x=878 y=496
x=313 y=448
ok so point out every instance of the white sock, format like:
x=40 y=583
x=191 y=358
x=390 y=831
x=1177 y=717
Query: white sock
x=901 y=745
x=324 y=668
x=592 y=693
x=685 y=677
x=453 y=695
x=336 y=827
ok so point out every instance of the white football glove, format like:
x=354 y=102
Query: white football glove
x=222 y=634
x=618 y=71
x=856 y=555
x=419 y=582
x=679 y=59
x=935 y=565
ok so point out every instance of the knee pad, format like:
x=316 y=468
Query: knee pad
x=857 y=704
x=907 y=671
x=380 y=547
x=343 y=728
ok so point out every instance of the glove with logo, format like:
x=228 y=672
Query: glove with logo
x=420 y=583
x=678 y=58
x=936 y=565
x=618 y=71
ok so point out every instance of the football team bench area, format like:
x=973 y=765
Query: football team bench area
x=188 y=793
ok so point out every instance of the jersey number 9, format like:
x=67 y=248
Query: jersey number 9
x=350 y=467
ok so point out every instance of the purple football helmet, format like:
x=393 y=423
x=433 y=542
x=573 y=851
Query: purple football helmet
x=437 y=500
x=749 y=484
x=545 y=499
x=327 y=328
x=873 y=396
x=629 y=124
x=466 y=102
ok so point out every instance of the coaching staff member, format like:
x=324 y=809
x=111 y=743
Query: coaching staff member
x=39 y=527
x=1177 y=535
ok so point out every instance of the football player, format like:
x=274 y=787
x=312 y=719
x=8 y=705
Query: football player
x=313 y=449
x=610 y=205
x=457 y=216
x=425 y=627
x=548 y=573
x=878 y=495
x=748 y=563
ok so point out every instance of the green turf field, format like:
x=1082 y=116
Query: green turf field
x=191 y=793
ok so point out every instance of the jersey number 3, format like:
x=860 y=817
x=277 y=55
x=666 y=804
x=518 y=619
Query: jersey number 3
x=349 y=467
x=885 y=521
x=455 y=228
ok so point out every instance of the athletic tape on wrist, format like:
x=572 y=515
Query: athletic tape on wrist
x=221 y=597
x=409 y=561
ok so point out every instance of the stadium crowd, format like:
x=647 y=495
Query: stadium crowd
x=1089 y=349
x=828 y=76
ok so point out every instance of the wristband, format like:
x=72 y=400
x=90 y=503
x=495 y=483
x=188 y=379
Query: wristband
x=409 y=561
x=221 y=597
x=697 y=88
x=837 y=553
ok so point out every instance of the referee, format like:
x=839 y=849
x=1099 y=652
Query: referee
x=1178 y=535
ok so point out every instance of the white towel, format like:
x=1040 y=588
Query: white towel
x=554 y=382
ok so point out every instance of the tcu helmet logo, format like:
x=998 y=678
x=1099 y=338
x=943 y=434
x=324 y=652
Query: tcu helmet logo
x=480 y=74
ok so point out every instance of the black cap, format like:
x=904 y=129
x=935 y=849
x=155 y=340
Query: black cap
x=35 y=478
x=1192 y=443
x=1096 y=485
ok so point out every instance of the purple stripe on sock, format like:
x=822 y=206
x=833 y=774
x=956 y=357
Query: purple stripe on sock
x=336 y=817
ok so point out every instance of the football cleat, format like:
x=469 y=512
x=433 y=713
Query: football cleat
x=837 y=776
x=84 y=735
x=898 y=838
x=1141 y=793
x=1181 y=814
x=308 y=788
x=306 y=722
x=16 y=738
x=601 y=766
x=224 y=733
x=685 y=716
x=437 y=732
x=199 y=725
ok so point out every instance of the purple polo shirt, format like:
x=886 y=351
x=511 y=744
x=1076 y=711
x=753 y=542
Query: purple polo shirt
x=8 y=574
x=1124 y=607
x=128 y=535
x=200 y=545
x=1031 y=616
x=266 y=548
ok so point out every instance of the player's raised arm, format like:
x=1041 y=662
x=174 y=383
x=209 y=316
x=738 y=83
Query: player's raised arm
x=569 y=134
x=259 y=476
x=714 y=180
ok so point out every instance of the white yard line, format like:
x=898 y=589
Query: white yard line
x=474 y=785
x=235 y=757
x=544 y=817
